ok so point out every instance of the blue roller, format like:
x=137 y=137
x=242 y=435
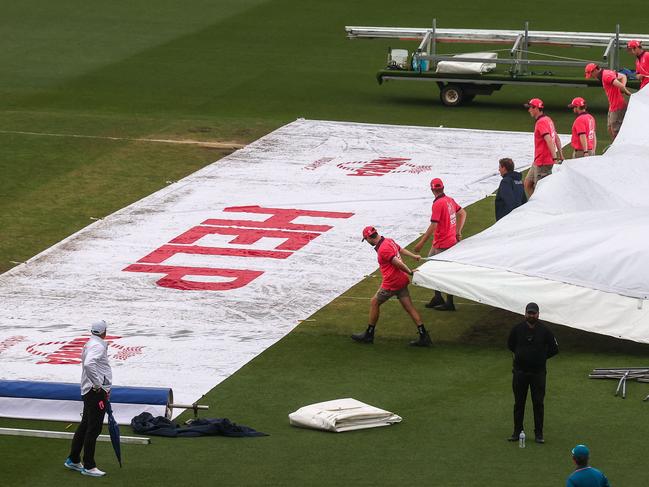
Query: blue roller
x=159 y=396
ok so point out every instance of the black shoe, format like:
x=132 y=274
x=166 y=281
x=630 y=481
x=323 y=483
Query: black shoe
x=422 y=341
x=539 y=439
x=445 y=307
x=364 y=337
x=436 y=301
x=513 y=437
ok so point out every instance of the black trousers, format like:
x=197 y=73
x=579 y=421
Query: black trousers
x=535 y=382
x=92 y=420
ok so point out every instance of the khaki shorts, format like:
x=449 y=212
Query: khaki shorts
x=382 y=295
x=615 y=121
x=536 y=173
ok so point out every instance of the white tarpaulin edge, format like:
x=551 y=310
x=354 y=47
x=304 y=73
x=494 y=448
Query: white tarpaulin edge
x=561 y=303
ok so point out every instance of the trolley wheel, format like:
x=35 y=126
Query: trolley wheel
x=451 y=95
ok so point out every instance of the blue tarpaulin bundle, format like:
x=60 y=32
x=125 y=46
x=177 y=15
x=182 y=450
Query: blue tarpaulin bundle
x=145 y=423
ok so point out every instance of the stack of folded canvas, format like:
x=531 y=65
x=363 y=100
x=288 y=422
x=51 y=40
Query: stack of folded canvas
x=342 y=415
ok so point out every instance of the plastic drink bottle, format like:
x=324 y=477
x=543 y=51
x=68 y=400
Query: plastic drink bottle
x=521 y=439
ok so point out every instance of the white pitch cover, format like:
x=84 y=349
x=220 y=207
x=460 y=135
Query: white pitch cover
x=579 y=247
x=202 y=276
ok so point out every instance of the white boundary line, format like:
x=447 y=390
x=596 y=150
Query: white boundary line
x=212 y=145
x=64 y=435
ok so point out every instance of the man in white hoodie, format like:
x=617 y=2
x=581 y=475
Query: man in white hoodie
x=96 y=381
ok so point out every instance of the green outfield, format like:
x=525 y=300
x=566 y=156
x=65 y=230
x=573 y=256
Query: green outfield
x=231 y=71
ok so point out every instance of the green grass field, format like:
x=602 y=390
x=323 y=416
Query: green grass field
x=231 y=71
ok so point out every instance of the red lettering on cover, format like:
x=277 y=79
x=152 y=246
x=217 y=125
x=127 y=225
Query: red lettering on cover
x=377 y=167
x=281 y=218
x=69 y=353
x=278 y=225
x=166 y=251
x=174 y=277
x=248 y=236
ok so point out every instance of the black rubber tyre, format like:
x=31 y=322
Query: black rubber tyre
x=451 y=95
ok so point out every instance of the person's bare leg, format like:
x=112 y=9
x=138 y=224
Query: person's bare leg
x=529 y=187
x=423 y=339
x=368 y=335
x=406 y=302
x=374 y=311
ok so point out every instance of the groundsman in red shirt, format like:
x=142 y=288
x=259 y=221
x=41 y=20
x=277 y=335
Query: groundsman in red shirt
x=395 y=274
x=614 y=84
x=584 y=136
x=446 y=222
x=547 y=145
x=641 y=62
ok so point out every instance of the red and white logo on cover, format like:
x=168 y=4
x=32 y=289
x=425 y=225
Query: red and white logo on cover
x=66 y=352
x=382 y=166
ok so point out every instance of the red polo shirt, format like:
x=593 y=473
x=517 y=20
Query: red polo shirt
x=583 y=124
x=542 y=155
x=615 y=99
x=393 y=277
x=642 y=67
x=444 y=213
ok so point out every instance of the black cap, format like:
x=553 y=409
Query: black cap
x=532 y=308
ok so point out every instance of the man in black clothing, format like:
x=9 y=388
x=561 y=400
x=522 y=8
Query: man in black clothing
x=511 y=193
x=532 y=343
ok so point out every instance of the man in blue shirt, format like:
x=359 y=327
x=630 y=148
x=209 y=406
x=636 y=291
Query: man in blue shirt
x=584 y=475
x=510 y=193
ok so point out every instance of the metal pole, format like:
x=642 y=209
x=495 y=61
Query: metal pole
x=617 y=47
x=526 y=43
x=433 y=50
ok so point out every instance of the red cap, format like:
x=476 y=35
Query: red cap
x=368 y=232
x=633 y=44
x=436 y=183
x=590 y=67
x=578 y=102
x=534 y=103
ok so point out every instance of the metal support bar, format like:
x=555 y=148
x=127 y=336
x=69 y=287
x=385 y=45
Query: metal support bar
x=64 y=435
x=526 y=42
x=195 y=407
x=495 y=83
x=424 y=42
x=433 y=50
x=607 y=52
x=526 y=62
x=515 y=53
x=617 y=47
x=492 y=36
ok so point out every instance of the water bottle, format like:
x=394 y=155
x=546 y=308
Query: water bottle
x=521 y=439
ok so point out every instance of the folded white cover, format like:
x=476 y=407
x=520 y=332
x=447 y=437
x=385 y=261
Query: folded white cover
x=463 y=67
x=342 y=415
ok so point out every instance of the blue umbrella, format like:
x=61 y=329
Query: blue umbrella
x=113 y=430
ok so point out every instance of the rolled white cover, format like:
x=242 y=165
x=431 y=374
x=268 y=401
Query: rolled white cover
x=463 y=67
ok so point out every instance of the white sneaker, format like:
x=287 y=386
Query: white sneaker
x=92 y=472
x=73 y=466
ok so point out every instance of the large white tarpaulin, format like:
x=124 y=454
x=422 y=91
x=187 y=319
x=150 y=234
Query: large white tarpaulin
x=202 y=276
x=578 y=248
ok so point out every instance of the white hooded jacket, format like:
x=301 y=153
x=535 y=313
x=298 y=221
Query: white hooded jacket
x=95 y=371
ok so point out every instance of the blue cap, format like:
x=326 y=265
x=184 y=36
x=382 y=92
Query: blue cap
x=581 y=451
